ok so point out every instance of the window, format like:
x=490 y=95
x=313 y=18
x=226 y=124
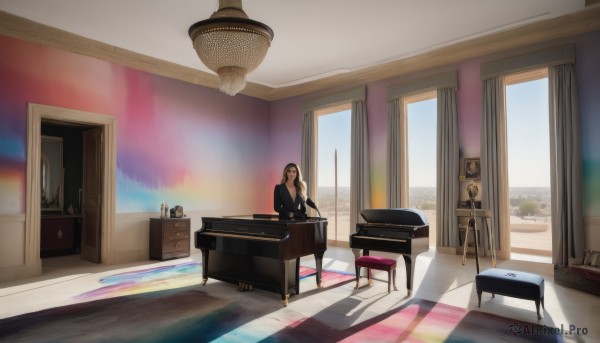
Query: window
x=528 y=154
x=333 y=169
x=421 y=112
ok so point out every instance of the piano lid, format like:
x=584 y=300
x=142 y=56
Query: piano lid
x=400 y=216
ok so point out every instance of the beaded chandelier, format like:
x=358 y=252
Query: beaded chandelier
x=231 y=44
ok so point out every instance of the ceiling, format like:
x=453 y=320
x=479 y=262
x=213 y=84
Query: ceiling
x=314 y=39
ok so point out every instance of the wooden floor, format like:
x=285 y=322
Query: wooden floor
x=438 y=277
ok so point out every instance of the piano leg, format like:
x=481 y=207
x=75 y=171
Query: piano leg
x=285 y=295
x=410 y=270
x=204 y=265
x=285 y=299
x=319 y=265
x=297 y=274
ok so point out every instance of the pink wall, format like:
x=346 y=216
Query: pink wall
x=377 y=111
x=468 y=103
x=285 y=138
x=285 y=115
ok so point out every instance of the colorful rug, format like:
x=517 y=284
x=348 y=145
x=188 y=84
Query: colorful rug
x=132 y=307
x=183 y=275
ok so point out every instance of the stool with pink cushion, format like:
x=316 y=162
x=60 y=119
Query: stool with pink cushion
x=377 y=263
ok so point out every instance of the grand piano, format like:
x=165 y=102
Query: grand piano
x=396 y=230
x=260 y=251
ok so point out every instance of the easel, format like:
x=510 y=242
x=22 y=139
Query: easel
x=485 y=215
x=472 y=190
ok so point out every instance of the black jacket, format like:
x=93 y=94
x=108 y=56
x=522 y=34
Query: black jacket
x=284 y=205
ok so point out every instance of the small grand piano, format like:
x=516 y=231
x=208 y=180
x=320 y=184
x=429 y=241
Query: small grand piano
x=260 y=251
x=396 y=230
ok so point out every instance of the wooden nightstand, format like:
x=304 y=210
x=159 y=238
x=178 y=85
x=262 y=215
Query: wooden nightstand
x=169 y=238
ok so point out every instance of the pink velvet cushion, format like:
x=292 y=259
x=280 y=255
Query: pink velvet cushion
x=375 y=262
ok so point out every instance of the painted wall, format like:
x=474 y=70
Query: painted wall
x=587 y=67
x=208 y=152
x=285 y=116
x=176 y=142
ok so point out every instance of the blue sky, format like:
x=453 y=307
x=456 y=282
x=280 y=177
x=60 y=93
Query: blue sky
x=334 y=133
x=422 y=132
x=527 y=131
x=527 y=125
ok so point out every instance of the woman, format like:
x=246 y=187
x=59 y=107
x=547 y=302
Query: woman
x=290 y=195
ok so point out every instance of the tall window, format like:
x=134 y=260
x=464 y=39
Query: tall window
x=528 y=150
x=422 y=161
x=333 y=169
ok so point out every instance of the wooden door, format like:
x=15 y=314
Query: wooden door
x=92 y=195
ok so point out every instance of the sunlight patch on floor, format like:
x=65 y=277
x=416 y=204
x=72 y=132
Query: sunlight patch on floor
x=531 y=258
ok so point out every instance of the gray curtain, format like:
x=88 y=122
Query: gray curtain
x=360 y=178
x=447 y=168
x=308 y=162
x=397 y=170
x=494 y=179
x=565 y=160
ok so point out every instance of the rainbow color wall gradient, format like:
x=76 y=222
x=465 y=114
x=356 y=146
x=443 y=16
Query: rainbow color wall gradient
x=194 y=146
x=176 y=142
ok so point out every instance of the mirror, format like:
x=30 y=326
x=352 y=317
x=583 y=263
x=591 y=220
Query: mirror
x=51 y=174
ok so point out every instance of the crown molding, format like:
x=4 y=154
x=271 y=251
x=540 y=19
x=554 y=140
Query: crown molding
x=584 y=21
x=25 y=29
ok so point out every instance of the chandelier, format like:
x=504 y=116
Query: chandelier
x=231 y=44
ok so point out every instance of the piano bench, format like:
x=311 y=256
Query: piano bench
x=511 y=283
x=377 y=263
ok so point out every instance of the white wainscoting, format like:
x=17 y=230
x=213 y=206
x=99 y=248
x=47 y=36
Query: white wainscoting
x=12 y=249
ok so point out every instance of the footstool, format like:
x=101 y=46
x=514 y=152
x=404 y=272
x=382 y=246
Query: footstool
x=513 y=284
x=377 y=263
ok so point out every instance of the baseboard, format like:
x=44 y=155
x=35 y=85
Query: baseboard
x=21 y=272
x=447 y=250
x=130 y=256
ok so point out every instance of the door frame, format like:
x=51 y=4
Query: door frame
x=36 y=113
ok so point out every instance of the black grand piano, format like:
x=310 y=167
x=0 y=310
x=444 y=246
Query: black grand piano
x=396 y=230
x=260 y=251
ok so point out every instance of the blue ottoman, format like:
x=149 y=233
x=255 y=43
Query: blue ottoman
x=513 y=284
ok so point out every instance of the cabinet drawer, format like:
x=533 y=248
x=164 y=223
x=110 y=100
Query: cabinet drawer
x=176 y=234
x=57 y=233
x=169 y=238
x=182 y=245
x=175 y=224
x=57 y=238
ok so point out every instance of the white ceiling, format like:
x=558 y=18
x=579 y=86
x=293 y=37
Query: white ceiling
x=313 y=38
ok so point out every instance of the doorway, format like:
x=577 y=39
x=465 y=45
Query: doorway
x=105 y=188
x=73 y=184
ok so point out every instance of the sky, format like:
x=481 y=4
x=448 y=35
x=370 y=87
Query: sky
x=527 y=123
x=527 y=132
x=422 y=132
x=334 y=133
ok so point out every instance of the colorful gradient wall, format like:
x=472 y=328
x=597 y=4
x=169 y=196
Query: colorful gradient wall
x=176 y=142
x=194 y=146
x=587 y=50
x=285 y=117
